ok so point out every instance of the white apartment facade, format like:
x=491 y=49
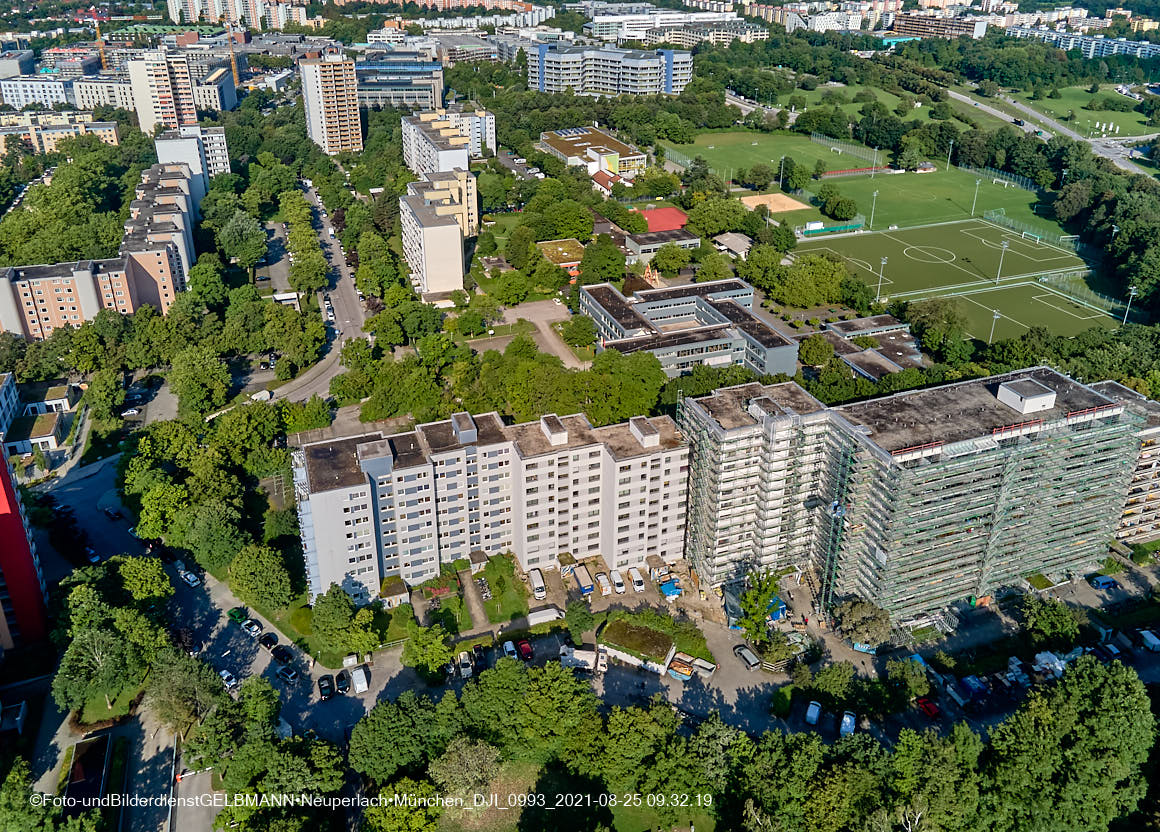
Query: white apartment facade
x=330 y=98
x=607 y=70
x=622 y=27
x=163 y=91
x=437 y=213
x=203 y=149
x=111 y=92
x=22 y=90
x=442 y=140
x=374 y=506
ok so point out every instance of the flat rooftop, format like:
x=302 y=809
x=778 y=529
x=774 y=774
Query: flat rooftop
x=713 y=287
x=752 y=326
x=677 y=235
x=1148 y=408
x=671 y=340
x=335 y=463
x=728 y=406
x=531 y=441
x=577 y=141
x=866 y=326
x=562 y=252
x=873 y=363
x=966 y=410
x=614 y=303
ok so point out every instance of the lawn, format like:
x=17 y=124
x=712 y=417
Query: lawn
x=963 y=259
x=520 y=327
x=508 y=599
x=644 y=642
x=904 y=199
x=95 y=709
x=815 y=97
x=1073 y=99
x=99 y=445
x=503 y=225
x=587 y=353
x=489 y=285
x=453 y=615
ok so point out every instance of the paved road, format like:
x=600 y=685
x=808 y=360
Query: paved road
x=1027 y=127
x=277 y=266
x=544 y=313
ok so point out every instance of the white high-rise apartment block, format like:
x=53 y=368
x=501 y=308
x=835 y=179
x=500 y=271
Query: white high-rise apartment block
x=442 y=140
x=202 y=148
x=376 y=506
x=330 y=97
x=163 y=91
x=439 y=210
x=607 y=70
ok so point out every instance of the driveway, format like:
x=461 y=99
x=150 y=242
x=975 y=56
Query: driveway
x=544 y=313
x=277 y=266
x=474 y=601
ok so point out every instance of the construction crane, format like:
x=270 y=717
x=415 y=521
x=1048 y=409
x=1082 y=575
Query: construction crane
x=233 y=57
x=101 y=48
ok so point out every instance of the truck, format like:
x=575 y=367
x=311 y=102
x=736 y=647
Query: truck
x=544 y=616
x=1149 y=641
x=587 y=659
x=360 y=680
x=583 y=580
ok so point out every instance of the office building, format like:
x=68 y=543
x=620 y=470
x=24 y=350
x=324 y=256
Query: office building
x=1090 y=46
x=702 y=323
x=330 y=97
x=43 y=91
x=641 y=247
x=607 y=70
x=202 y=149
x=443 y=140
x=399 y=78
x=23 y=593
x=915 y=24
x=372 y=507
x=621 y=27
x=437 y=213
x=595 y=150
x=917 y=501
x=155 y=255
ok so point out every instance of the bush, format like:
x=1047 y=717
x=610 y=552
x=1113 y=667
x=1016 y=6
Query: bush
x=782 y=701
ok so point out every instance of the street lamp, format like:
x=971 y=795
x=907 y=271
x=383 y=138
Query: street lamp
x=881 y=270
x=780 y=172
x=1002 y=251
x=949 y=149
x=975 y=201
x=874 y=169
x=995 y=316
x=873 y=207
x=1131 y=294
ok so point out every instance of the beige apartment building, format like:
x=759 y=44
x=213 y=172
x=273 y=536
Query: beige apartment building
x=330 y=96
x=439 y=210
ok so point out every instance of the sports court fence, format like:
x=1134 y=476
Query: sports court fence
x=1073 y=284
x=997 y=176
x=847 y=147
x=849 y=225
x=998 y=216
x=833 y=174
x=677 y=157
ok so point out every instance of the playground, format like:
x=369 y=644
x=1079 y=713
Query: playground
x=1027 y=281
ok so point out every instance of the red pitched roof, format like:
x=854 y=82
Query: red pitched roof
x=605 y=179
x=665 y=219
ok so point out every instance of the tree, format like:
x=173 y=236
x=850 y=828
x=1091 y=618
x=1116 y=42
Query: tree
x=181 y=690
x=19 y=812
x=714 y=216
x=713 y=266
x=200 y=380
x=96 y=663
x=243 y=240
x=578 y=616
x=205 y=280
x=105 y=394
x=427 y=650
x=603 y=261
x=415 y=810
x=339 y=625
x=258 y=576
x=144 y=579
x=518 y=247
x=815 y=351
x=1049 y=621
x=908 y=678
x=670 y=259
x=466 y=767
x=512 y=289
x=863 y=621
x=486 y=246
x=579 y=331
x=755 y=603
x=401 y=735
x=834 y=682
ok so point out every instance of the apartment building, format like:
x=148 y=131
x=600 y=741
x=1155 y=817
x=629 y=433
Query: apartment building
x=399 y=78
x=607 y=70
x=42 y=132
x=373 y=506
x=21 y=91
x=163 y=91
x=330 y=97
x=718 y=34
x=917 y=501
x=437 y=213
x=107 y=90
x=155 y=255
x=1090 y=46
x=17 y=62
x=594 y=149
x=216 y=91
x=622 y=27
x=1140 y=520
x=442 y=140
x=9 y=401
x=202 y=149
x=702 y=323
x=23 y=591
x=915 y=24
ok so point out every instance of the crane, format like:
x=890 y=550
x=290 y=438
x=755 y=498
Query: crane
x=233 y=57
x=101 y=48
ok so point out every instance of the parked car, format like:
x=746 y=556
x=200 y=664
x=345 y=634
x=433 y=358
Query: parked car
x=92 y=555
x=509 y=650
x=133 y=532
x=465 y=664
x=325 y=687
x=238 y=615
x=637 y=579
x=191 y=579
x=602 y=582
x=525 y=648
x=813 y=713
x=617 y=581
x=288 y=675
x=282 y=654
x=342 y=682
x=847 y=725
x=112 y=513
x=132 y=411
x=928 y=708
x=480 y=657
x=228 y=679
x=253 y=628
x=747 y=656
x=268 y=642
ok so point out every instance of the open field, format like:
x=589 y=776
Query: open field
x=1073 y=99
x=904 y=199
x=966 y=259
x=922 y=114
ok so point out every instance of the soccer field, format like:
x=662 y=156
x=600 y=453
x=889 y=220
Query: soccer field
x=967 y=259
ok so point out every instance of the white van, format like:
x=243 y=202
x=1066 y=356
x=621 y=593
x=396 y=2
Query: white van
x=358 y=677
x=536 y=579
x=637 y=581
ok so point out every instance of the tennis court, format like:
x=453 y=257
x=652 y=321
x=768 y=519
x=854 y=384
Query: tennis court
x=969 y=259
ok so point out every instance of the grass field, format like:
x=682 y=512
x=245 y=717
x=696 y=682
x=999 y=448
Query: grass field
x=904 y=199
x=964 y=259
x=819 y=96
x=1073 y=99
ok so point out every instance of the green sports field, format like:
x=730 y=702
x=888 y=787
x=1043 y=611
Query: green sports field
x=1073 y=99
x=967 y=259
x=904 y=199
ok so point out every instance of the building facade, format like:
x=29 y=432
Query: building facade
x=42 y=132
x=595 y=150
x=373 y=507
x=330 y=97
x=437 y=213
x=163 y=91
x=444 y=140
x=20 y=91
x=918 y=25
x=111 y=91
x=23 y=592
x=400 y=79
x=1090 y=46
x=202 y=149
x=1140 y=520
x=916 y=501
x=606 y=70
